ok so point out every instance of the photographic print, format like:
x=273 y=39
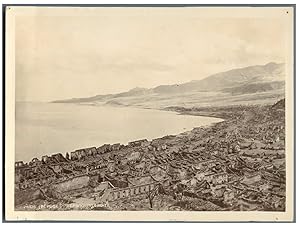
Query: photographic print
x=175 y=113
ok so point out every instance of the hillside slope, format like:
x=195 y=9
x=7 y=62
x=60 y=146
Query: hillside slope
x=250 y=85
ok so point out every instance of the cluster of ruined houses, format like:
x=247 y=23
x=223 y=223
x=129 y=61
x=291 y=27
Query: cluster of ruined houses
x=250 y=190
x=205 y=167
x=57 y=167
x=234 y=178
x=79 y=154
x=106 y=191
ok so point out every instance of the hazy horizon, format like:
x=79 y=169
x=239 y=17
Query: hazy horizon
x=45 y=101
x=112 y=50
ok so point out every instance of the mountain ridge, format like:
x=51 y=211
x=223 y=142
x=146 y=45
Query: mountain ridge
x=246 y=80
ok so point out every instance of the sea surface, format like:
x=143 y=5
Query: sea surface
x=48 y=128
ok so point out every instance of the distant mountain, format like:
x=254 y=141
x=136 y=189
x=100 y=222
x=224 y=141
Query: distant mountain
x=255 y=87
x=236 y=77
x=248 y=80
x=134 y=92
x=81 y=100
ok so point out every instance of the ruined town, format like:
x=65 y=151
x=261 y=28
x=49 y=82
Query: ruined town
x=234 y=165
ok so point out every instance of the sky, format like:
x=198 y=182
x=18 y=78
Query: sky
x=85 y=52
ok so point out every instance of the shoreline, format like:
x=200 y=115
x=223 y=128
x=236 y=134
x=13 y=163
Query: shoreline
x=243 y=152
x=125 y=144
x=211 y=112
x=169 y=109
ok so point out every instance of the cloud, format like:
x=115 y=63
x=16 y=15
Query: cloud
x=110 y=52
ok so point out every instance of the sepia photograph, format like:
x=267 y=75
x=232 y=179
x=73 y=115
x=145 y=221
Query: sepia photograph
x=172 y=113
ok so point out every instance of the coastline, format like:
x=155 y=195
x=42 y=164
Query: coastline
x=183 y=130
x=203 y=111
x=243 y=152
x=178 y=110
x=224 y=113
